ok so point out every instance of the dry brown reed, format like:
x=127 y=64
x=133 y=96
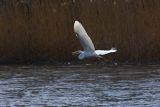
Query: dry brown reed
x=37 y=30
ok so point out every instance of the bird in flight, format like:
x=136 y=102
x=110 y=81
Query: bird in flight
x=87 y=44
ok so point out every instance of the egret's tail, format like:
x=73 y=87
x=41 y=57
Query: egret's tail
x=104 y=52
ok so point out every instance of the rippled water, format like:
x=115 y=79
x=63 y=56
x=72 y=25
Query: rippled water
x=111 y=86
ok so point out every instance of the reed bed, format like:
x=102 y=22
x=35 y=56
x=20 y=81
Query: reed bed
x=42 y=30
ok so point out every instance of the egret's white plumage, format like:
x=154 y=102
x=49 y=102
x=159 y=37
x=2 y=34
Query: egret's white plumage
x=87 y=44
x=103 y=52
x=83 y=37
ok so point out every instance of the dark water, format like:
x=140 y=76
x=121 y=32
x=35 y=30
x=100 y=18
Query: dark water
x=108 y=86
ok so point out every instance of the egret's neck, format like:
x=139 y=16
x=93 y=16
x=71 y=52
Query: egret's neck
x=81 y=52
x=81 y=55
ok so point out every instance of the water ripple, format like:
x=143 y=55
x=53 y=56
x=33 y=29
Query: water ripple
x=39 y=86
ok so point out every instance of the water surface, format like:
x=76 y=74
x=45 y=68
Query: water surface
x=80 y=85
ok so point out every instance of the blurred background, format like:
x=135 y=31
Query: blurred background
x=42 y=30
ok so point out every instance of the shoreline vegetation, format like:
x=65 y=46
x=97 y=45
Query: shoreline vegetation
x=41 y=31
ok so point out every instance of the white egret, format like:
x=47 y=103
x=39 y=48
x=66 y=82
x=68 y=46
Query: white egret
x=86 y=42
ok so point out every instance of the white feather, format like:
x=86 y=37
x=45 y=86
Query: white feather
x=104 y=52
x=83 y=37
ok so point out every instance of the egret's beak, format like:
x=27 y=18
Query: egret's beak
x=75 y=53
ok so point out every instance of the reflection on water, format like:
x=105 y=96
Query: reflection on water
x=40 y=86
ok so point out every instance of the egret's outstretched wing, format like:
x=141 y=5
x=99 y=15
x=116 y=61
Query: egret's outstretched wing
x=83 y=37
x=104 y=52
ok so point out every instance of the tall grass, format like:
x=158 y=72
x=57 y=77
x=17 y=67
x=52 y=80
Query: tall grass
x=37 y=30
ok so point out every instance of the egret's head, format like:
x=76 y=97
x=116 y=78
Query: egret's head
x=77 y=26
x=77 y=52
